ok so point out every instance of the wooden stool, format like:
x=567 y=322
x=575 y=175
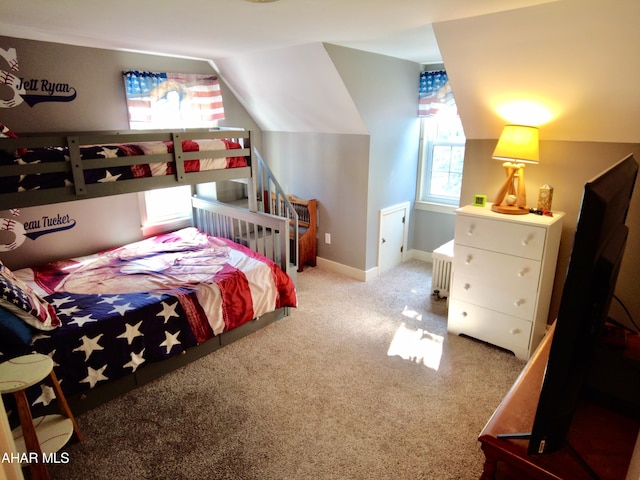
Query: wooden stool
x=40 y=437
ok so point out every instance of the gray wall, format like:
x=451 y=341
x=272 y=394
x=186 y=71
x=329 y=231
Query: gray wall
x=355 y=176
x=333 y=169
x=96 y=74
x=431 y=229
x=384 y=90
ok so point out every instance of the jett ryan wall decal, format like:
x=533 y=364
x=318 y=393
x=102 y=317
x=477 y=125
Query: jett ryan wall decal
x=30 y=91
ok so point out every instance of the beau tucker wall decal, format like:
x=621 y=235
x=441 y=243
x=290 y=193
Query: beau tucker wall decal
x=31 y=91
x=33 y=228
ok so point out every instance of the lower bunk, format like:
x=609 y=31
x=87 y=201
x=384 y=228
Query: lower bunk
x=118 y=319
x=86 y=400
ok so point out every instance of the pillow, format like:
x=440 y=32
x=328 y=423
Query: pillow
x=13 y=330
x=21 y=300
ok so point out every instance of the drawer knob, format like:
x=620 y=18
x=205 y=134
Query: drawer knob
x=464 y=314
x=523 y=272
x=527 y=240
x=472 y=229
x=466 y=286
x=514 y=331
x=468 y=259
x=518 y=302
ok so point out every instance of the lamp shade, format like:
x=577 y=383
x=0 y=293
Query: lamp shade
x=519 y=143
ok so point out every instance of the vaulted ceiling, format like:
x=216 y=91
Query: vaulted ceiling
x=574 y=60
x=213 y=29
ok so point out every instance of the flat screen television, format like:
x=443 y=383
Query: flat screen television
x=597 y=251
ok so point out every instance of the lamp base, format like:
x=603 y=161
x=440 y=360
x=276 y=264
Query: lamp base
x=510 y=209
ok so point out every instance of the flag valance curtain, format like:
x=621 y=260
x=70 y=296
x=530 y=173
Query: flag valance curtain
x=172 y=100
x=435 y=93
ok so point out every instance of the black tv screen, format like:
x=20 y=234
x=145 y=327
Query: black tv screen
x=593 y=268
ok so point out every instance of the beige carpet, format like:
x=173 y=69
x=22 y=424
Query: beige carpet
x=361 y=382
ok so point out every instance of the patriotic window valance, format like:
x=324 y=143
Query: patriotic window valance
x=435 y=93
x=172 y=100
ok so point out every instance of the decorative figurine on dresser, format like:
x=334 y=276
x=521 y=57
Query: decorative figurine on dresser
x=503 y=272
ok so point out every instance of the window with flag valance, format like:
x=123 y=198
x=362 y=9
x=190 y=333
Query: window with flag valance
x=157 y=100
x=172 y=100
x=435 y=93
x=442 y=142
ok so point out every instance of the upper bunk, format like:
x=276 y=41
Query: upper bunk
x=40 y=169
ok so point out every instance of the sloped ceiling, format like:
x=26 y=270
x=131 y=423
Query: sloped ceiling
x=576 y=58
x=215 y=29
x=294 y=89
x=270 y=54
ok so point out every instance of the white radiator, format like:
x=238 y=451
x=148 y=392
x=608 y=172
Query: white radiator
x=442 y=269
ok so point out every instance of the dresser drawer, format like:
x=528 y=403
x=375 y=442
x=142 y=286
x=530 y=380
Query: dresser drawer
x=508 y=299
x=497 y=270
x=490 y=326
x=506 y=237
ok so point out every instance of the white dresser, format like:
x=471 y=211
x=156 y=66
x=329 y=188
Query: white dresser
x=503 y=272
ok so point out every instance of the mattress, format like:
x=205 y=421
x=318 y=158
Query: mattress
x=148 y=301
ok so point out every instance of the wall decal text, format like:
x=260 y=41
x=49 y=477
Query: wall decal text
x=30 y=91
x=33 y=228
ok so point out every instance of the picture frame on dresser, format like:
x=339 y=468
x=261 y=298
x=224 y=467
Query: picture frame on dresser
x=503 y=273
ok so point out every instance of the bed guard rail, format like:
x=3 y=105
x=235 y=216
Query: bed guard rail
x=76 y=165
x=264 y=233
x=267 y=188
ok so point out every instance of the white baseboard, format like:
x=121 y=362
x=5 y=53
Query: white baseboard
x=420 y=255
x=366 y=275
x=350 y=272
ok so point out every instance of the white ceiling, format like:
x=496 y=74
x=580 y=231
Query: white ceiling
x=577 y=57
x=215 y=29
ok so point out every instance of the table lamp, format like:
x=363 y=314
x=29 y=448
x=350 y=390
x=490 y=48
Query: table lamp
x=518 y=144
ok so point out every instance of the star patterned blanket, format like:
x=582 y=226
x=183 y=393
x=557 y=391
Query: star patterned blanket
x=100 y=152
x=148 y=301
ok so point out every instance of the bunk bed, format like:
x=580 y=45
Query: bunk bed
x=120 y=318
x=53 y=168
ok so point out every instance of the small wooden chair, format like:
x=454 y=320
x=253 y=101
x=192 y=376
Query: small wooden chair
x=307 y=211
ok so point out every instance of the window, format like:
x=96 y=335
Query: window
x=442 y=141
x=157 y=100
x=441 y=159
x=172 y=100
x=165 y=209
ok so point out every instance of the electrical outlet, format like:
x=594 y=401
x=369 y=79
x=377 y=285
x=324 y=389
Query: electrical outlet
x=327 y=238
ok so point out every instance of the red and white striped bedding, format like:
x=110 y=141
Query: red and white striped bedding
x=231 y=283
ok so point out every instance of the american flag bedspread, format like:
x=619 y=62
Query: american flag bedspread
x=148 y=301
x=117 y=173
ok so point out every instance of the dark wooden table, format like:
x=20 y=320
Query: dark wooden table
x=604 y=438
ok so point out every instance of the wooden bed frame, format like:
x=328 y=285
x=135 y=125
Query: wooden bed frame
x=262 y=232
